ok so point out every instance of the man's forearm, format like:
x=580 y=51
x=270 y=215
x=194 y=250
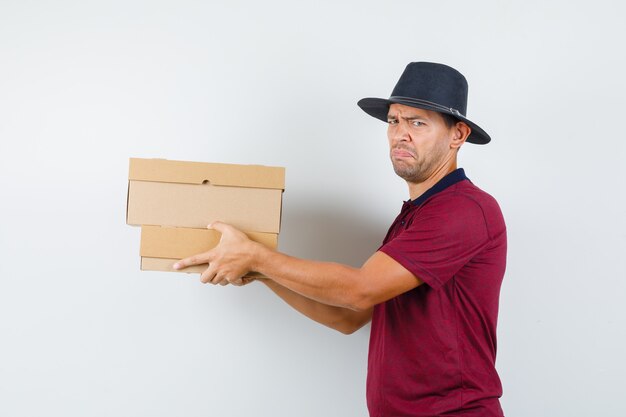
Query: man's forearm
x=341 y=319
x=328 y=283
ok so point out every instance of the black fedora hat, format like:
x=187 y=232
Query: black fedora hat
x=429 y=86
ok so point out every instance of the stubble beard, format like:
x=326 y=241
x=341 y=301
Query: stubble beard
x=414 y=173
x=419 y=170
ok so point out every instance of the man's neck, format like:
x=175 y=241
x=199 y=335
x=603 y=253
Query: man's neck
x=417 y=189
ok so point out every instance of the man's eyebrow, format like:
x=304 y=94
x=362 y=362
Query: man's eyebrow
x=409 y=118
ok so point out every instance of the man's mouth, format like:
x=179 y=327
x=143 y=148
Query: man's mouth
x=401 y=153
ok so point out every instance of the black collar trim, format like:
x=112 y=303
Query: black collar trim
x=452 y=178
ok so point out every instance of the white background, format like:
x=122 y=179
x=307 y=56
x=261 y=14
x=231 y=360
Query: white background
x=84 y=85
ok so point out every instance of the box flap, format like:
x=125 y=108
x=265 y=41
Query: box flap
x=179 y=242
x=163 y=170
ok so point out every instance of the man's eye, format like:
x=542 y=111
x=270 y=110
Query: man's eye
x=392 y=121
x=417 y=123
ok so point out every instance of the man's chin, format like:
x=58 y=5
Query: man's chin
x=408 y=172
x=407 y=175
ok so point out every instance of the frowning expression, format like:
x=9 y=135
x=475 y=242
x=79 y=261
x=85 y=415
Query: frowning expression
x=419 y=142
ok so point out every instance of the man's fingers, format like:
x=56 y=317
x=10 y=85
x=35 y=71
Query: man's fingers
x=247 y=280
x=219 y=226
x=208 y=274
x=238 y=282
x=199 y=259
x=219 y=279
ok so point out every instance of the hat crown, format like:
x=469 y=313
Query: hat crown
x=436 y=83
x=429 y=86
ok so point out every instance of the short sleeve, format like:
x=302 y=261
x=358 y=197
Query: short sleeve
x=442 y=237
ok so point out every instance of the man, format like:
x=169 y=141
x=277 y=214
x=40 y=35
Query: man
x=431 y=291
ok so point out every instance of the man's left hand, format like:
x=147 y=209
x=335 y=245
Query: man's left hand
x=229 y=261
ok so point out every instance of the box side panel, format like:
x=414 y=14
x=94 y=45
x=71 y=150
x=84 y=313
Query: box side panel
x=166 y=265
x=178 y=243
x=196 y=206
x=127 y=199
x=170 y=242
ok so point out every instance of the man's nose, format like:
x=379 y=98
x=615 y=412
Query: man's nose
x=401 y=132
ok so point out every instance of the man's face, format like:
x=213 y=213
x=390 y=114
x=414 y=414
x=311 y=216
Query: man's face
x=419 y=142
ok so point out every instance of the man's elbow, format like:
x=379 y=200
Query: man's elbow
x=349 y=327
x=347 y=330
x=352 y=320
x=360 y=301
x=360 y=296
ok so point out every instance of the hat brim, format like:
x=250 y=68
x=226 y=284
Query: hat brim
x=379 y=108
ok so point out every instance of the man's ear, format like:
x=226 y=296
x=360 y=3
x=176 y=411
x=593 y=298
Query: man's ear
x=460 y=133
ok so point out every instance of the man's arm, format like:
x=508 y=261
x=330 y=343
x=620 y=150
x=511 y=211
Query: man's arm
x=341 y=319
x=379 y=279
x=358 y=289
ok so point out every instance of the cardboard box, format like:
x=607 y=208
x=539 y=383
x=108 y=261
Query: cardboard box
x=194 y=194
x=161 y=247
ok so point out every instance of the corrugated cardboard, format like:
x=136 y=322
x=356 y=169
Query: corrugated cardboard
x=161 y=247
x=194 y=194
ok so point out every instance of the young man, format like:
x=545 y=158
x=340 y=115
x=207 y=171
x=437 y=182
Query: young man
x=431 y=291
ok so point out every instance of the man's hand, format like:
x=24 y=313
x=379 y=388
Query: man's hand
x=229 y=261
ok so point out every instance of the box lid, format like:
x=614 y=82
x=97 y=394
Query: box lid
x=163 y=170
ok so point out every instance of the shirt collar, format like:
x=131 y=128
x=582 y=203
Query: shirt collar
x=450 y=179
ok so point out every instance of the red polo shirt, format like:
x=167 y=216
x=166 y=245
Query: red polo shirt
x=433 y=349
